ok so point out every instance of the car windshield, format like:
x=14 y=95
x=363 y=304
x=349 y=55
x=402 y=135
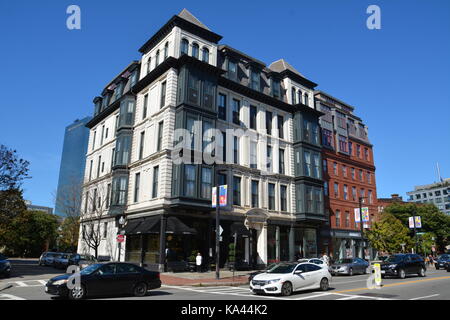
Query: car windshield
x=282 y=268
x=443 y=257
x=90 y=269
x=344 y=261
x=395 y=258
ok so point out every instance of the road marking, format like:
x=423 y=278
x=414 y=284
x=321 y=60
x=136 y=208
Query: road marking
x=395 y=284
x=313 y=296
x=349 y=298
x=10 y=297
x=425 y=297
x=43 y=282
x=20 y=283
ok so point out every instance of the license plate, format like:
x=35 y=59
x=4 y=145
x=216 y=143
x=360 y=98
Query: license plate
x=383 y=271
x=256 y=287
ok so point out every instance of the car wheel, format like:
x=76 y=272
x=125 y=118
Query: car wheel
x=77 y=293
x=350 y=271
x=422 y=272
x=140 y=290
x=324 y=284
x=286 y=289
x=401 y=274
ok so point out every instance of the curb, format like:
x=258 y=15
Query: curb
x=217 y=284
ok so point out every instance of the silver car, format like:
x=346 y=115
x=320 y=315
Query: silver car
x=349 y=266
x=48 y=258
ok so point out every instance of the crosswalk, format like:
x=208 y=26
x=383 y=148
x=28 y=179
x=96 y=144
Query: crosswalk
x=28 y=283
x=4 y=297
x=245 y=292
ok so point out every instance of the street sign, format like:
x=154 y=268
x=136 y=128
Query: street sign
x=223 y=193
x=418 y=221
x=120 y=238
x=220 y=230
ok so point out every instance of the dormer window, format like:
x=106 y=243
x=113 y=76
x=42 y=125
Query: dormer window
x=118 y=91
x=133 y=78
x=166 y=50
x=149 y=64
x=195 y=50
x=184 y=47
x=232 y=70
x=254 y=80
x=205 y=55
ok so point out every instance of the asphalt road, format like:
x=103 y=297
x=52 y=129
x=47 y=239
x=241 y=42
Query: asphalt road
x=27 y=283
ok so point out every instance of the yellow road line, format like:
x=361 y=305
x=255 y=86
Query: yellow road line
x=395 y=284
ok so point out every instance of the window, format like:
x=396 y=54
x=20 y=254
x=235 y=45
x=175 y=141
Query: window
x=105 y=230
x=166 y=50
x=345 y=192
x=276 y=90
x=307 y=159
x=205 y=55
x=325 y=188
x=103 y=135
x=93 y=140
x=269 y=122
x=370 y=196
x=137 y=181
x=206 y=183
x=347 y=219
x=366 y=154
x=300 y=96
x=306 y=130
x=119 y=191
x=283 y=198
x=144 y=112
x=236 y=150
x=208 y=94
x=336 y=190
x=360 y=175
x=325 y=165
x=368 y=177
x=163 y=95
x=86 y=200
x=306 y=99
x=149 y=64
x=309 y=199
x=193 y=89
x=108 y=195
x=293 y=96
x=141 y=145
x=354 y=193
x=237 y=191
x=157 y=58
x=338 y=218
x=90 y=169
x=281 y=164
x=160 y=136
x=271 y=196
x=343 y=144
x=232 y=70
x=269 y=158
x=222 y=106
x=195 y=50
x=362 y=194
x=253 y=155
x=350 y=148
x=224 y=147
x=353 y=173
x=327 y=138
x=184 y=47
x=280 y=127
x=155 y=182
x=98 y=166
x=254 y=80
x=358 y=151
x=315 y=133
x=316 y=166
x=236 y=111
x=207 y=136
x=253 y=112
x=318 y=200
x=344 y=171
x=189 y=180
x=255 y=192
x=335 y=168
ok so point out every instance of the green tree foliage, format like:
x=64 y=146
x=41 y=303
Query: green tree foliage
x=433 y=220
x=13 y=170
x=68 y=234
x=30 y=232
x=388 y=235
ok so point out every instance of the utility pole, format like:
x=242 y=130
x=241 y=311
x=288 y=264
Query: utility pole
x=217 y=227
x=415 y=232
x=361 y=222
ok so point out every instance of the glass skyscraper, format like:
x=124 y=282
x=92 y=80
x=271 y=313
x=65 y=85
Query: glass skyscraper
x=73 y=162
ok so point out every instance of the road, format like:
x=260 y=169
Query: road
x=29 y=285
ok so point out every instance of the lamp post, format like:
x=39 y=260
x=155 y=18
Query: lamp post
x=360 y=199
x=415 y=231
x=218 y=223
x=121 y=223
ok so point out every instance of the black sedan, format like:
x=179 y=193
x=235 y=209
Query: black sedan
x=5 y=266
x=401 y=265
x=102 y=279
x=442 y=262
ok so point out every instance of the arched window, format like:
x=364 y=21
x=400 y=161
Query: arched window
x=205 y=55
x=300 y=96
x=195 y=50
x=293 y=95
x=184 y=47
x=149 y=64
x=157 y=58
x=306 y=99
x=166 y=50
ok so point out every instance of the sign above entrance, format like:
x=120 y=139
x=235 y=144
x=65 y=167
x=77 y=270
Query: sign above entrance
x=223 y=195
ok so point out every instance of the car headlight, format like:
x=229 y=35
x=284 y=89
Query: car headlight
x=60 y=282
x=273 y=281
x=392 y=266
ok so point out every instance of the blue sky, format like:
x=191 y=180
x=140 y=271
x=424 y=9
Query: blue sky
x=398 y=78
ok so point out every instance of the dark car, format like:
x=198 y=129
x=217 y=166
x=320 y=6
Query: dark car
x=401 y=265
x=105 y=279
x=81 y=260
x=442 y=261
x=349 y=266
x=5 y=266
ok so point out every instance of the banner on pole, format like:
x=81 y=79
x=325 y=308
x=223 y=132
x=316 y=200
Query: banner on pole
x=223 y=195
x=418 y=222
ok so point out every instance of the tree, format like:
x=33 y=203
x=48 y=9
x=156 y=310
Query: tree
x=388 y=234
x=13 y=170
x=30 y=233
x=68 y=234
x=433 y=220
x=96 y=208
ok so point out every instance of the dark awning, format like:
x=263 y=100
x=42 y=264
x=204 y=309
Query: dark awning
x=239 y=229
x=132 y=226
x=174 y=225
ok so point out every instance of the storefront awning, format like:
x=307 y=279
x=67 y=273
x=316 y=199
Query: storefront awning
x=152 y=225
x=174 y=225
x=239 y=229
x=132 y=226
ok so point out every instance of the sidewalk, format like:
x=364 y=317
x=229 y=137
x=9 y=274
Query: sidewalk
x=205 y=278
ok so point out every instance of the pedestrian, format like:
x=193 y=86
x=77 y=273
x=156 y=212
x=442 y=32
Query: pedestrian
x=431 y=260
x=326 y=259
x=198 y=262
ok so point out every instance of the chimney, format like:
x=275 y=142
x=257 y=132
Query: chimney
x=396 y=196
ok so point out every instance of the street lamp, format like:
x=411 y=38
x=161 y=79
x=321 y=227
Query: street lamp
x=121 y=223
x=360 y=199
